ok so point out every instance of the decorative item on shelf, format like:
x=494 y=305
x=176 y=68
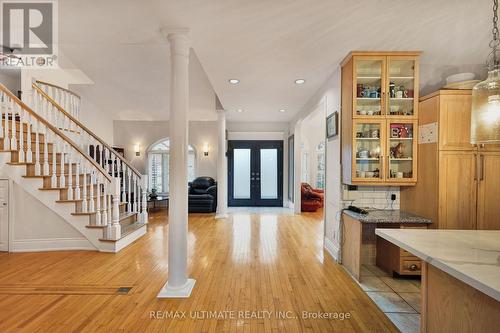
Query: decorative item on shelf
x=397 y=151
x=332 y=125
x=154 y=193
x=485 y=114
x=392 y=90
x=359 y=90
x=376 y=173
x=363 y=153
x=359 y=134
x=375 y=134
x=375 y=153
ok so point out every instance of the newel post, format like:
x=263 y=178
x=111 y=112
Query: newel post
x=144 y=208
x=115 y=227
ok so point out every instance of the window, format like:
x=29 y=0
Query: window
x=320 y=172
x=158 y=161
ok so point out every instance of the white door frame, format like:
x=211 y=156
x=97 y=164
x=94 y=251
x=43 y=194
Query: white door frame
x=8 y=205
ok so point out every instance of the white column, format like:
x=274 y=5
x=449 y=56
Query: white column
x=178 y=285
x=221 y=166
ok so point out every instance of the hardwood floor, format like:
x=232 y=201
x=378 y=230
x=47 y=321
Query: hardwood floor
x=249 y=262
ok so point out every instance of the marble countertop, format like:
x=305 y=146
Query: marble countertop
x=472 y=256
x=387 y=216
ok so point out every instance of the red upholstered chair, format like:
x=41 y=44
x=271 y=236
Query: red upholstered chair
x=311 y=199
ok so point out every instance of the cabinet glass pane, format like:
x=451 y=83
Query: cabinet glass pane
x=401 y=87
x=368 y=150
x=401 y=150
x=241 y=174
x=368 y=87
x=268 y=173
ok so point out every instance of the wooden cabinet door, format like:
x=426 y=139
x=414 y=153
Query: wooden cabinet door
x=455 y=122
x=457 y=190
x=488 y=198
x=369 y=87
x=368 y=163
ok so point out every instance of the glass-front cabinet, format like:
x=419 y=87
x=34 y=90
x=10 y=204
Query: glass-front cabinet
x=369 y=87
x=402 y=93
x=380 y=134
x=401 y=148
x=368 y=151
x=385 y=86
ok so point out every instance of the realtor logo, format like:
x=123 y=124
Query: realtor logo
x=29 y=31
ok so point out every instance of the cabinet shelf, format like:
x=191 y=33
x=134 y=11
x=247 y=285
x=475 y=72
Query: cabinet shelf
x=368 y=159
x=397 y=139
x=401 y=159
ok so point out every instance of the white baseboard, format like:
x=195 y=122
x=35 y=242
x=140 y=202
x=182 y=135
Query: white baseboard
x=332 y=249
x=51 y=244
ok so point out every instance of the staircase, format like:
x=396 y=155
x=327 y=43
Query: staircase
x=47 y=151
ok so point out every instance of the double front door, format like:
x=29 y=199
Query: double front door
x=255 y=172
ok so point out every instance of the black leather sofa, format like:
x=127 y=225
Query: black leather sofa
x=202 y=195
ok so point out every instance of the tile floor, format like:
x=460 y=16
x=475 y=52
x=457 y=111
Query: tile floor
x=398 y=298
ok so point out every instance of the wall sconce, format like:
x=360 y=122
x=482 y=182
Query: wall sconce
x=205 y=149
x=137 y=149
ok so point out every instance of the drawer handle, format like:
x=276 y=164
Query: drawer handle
x=413 y=267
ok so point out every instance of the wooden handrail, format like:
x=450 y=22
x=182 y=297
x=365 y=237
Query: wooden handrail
x=54 y=129
x=78 y=123
x=57 y=87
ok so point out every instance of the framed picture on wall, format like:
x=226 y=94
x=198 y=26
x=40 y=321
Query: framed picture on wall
x=332 y=125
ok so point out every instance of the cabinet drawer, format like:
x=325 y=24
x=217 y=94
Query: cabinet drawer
x=410 y=266
x=404 y=253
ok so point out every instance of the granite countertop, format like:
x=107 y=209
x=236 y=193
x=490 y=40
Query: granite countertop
x=387 y=216
x=471 y=256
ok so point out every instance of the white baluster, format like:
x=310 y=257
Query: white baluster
x=122 y=181
x=46 y=168
x=144 y=213
x=114 y=231
x=62 y=177
x=13 y=136
x=29 y=152
x=55 y=149
x=104 y=217
x=37 y=148
x=21 y=135
x=91 y=191
x=78 y=164
x=135 y=194
x=70 y=173
x=6 y=139
x=129 y=200
x=98 y=220
x=110 y=193
x=84 y=191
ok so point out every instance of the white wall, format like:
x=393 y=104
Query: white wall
x=11 y=79
x=313 y=133
x=34 y=227
x=128 y=133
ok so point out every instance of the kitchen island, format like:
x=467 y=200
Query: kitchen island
x=460 y=277
x=359 y=242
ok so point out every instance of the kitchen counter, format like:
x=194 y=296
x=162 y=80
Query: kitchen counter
x=460 y=277
x=387 y=216
x=472 y=256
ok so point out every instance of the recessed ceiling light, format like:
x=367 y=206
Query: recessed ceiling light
x=300 y=81
x=233 y=81
x=282 y=110
x=239 y=110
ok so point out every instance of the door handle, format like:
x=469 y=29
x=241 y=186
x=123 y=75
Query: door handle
x=4 y=204
x=481 y=170
x=477 y=167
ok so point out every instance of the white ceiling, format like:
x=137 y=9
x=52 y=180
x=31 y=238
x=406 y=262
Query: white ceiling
x=265 y=44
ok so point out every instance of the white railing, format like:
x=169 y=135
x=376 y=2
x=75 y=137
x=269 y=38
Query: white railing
x=54 y=154
x=67 y=99
x=132 y=186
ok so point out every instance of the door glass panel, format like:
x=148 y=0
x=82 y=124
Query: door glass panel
x=241 y=174
x=401 y=150
x=268 y=173
x=401 y=87
x=368 y=150
x=368 y=87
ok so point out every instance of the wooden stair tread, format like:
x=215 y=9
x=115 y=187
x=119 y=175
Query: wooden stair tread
x=126 y=231
x=123 y=216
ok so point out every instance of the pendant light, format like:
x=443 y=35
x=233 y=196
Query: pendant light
x=485 y=115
